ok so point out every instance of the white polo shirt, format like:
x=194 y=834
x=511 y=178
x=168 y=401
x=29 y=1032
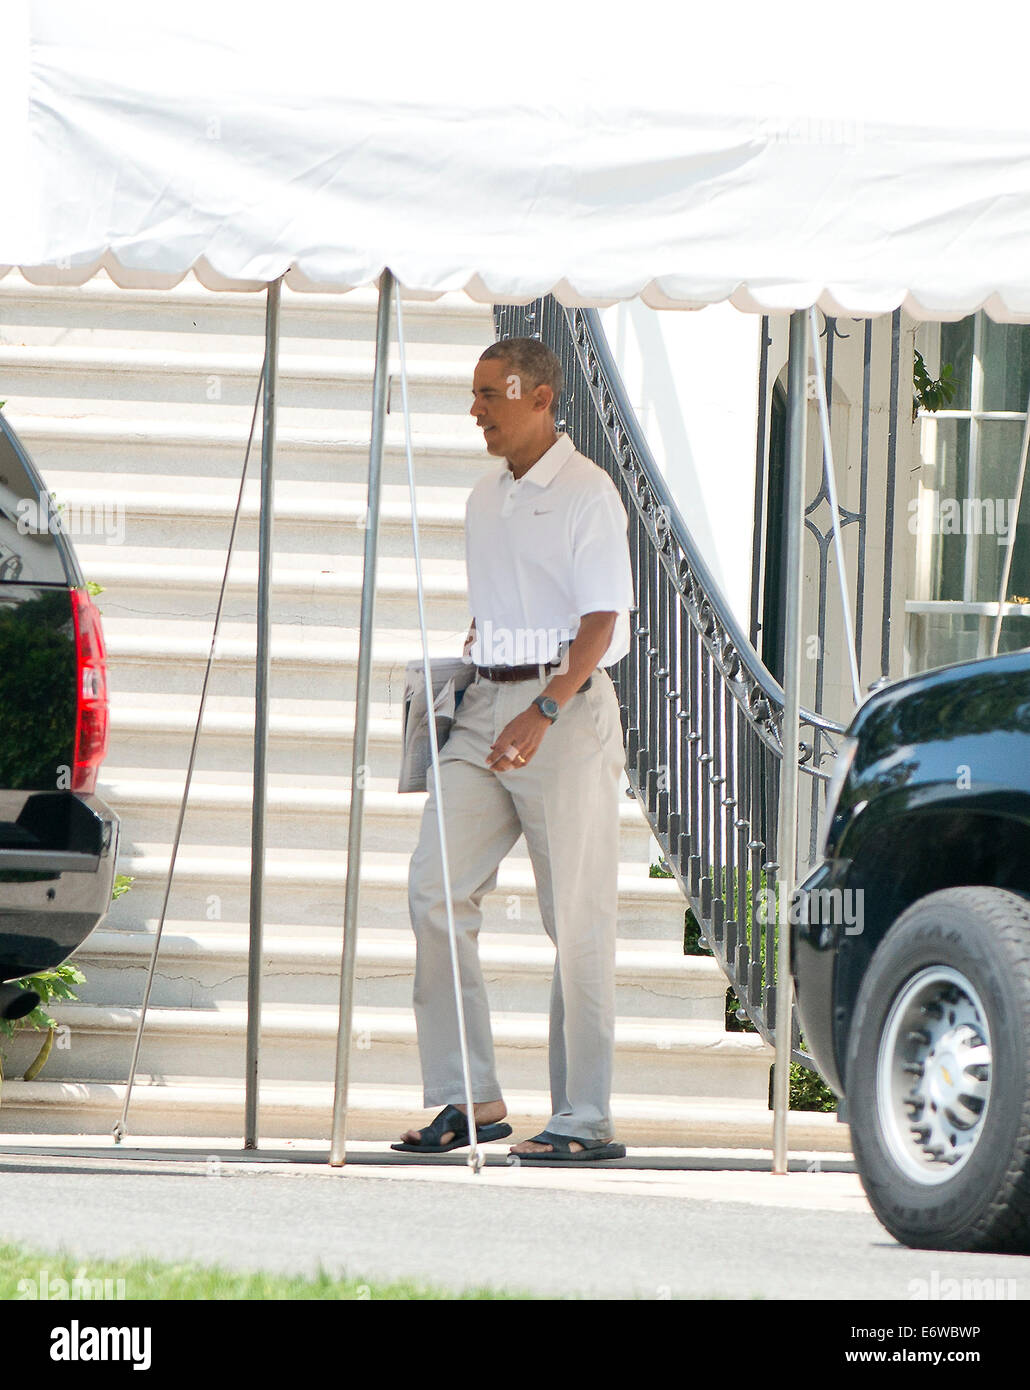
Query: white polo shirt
x=540 y=552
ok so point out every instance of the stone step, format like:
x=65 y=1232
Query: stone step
x=658 y=1056
x=158 y=450
x=191 y=519
x=306 y=888
x=200 y=964
x=192 y=1106
x=155 y=741
x=170 y=658
x=313 y=388
x=307 y=591
x=220 y=805
x=306 y=737
x=196 y=416
x=100 y=314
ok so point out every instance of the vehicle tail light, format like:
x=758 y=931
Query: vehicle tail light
x=91 y=712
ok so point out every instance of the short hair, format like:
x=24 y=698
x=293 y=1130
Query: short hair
x=534 y=362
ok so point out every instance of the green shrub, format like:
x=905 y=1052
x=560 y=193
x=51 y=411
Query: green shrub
x=808 y=1091
x=49 y=985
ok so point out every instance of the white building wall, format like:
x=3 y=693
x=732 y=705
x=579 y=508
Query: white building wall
x=693 y=379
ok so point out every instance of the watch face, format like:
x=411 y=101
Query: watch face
x=548 y=706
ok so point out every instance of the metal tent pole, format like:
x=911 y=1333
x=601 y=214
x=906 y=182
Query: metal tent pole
x=476 y=1157
x=338 y=1149
x=786 y=850
x=257 y=825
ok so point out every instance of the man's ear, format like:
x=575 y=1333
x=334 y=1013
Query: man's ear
x=543 y=397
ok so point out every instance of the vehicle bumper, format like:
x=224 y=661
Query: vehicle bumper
x=57 y=865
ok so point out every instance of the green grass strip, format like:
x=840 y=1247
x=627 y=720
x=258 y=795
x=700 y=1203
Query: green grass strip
x=28 y=1274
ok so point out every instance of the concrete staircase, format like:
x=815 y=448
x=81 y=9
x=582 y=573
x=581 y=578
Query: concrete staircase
x=135 y=406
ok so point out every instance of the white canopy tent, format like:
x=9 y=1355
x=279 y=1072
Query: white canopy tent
x=772 y=160
x=598 y=152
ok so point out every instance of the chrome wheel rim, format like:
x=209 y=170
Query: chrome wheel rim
x=933 y=1074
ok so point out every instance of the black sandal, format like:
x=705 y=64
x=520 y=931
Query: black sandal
x=452 y=1119
x=561 y=1151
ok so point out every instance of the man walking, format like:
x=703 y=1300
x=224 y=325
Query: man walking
x=536 y=748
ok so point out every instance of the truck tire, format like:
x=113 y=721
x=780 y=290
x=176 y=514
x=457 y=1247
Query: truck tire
x=938 y=1073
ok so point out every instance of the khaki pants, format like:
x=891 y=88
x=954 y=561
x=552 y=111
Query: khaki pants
x=566 y=802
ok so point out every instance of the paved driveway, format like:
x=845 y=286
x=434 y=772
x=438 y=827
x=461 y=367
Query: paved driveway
x=660 y=1225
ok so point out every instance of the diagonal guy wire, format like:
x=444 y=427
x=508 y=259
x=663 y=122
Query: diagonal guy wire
x=119 y=1129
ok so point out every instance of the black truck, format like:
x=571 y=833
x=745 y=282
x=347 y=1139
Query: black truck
x=58 y=840
x=911 y=953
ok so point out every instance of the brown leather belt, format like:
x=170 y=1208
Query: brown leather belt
x=502 y=674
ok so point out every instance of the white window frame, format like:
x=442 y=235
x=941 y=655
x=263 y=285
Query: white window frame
x=974 y=416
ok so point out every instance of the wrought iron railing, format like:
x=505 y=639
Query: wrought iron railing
x=701 y=714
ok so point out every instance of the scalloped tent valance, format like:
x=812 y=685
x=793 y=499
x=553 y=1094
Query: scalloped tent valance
x=601 y=158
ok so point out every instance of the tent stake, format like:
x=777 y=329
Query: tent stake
x=257 y=825
x=786 y=849
x=338 y=1150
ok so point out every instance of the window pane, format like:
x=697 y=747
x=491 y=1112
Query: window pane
x=1019 y=577
x=28 y=552
x=986 y=522
x=1006 y=362
x=957 y=348
x=938 y=639
x=948 y=557
x=1015 y=634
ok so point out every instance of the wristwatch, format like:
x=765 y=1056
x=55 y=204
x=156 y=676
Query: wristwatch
x=547 y=706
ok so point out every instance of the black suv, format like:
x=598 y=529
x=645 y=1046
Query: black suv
x=911 y=953
x=58 y=841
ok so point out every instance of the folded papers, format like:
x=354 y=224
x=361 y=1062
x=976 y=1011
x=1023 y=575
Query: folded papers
x=450 y=676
